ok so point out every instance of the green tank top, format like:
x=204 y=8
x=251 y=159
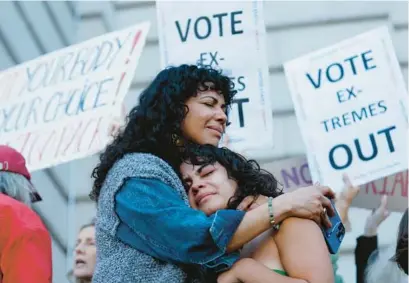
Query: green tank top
x=282 y=272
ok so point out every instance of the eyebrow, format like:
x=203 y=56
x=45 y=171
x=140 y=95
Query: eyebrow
x=209 y=96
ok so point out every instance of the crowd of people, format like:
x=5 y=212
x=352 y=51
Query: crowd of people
x=173 y=206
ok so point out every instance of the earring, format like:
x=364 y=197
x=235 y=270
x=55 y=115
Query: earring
x=177 y=140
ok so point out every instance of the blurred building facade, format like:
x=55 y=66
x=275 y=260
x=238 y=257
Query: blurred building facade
x=29 y=29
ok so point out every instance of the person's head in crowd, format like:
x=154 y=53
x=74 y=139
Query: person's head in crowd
x=401 y=251
x=85 y=254
x=183 y=104
x=15 y=177
x=391 y=265
x=218 y=178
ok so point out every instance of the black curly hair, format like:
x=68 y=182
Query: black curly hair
x=251 y=179
x=401 y=252
x=153 y=124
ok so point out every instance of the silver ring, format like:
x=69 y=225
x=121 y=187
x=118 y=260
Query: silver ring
x=324 y=211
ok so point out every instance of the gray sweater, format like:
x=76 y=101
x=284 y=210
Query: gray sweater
x=116 y=261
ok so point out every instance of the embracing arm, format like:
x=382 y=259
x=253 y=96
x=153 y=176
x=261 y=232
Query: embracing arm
x=303 y=251
x=156 y=221
x=257 y=221
x=305 y=203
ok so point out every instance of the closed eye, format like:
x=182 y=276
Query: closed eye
x=207 y=170
x=210 y=101
x=207 y=174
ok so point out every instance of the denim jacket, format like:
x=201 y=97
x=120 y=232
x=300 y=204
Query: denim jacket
x=160 y=224
x=146 y=232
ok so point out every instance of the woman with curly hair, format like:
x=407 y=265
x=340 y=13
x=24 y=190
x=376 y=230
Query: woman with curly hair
x=143 y=212
x=217 y=179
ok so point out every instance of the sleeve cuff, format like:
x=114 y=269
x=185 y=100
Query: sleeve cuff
x=364 y=241
x=224 y=225
x=223 y=263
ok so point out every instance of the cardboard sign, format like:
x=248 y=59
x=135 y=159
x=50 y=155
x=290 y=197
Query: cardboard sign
x=294 y=173
x=350 y=100
x=229 y=36
x=58 y=107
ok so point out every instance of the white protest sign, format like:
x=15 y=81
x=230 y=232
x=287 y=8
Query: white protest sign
x=350 y=101
x=229 y=36
x=58 y=107
x=294 y=173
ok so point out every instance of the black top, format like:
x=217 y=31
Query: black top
x=365 y=247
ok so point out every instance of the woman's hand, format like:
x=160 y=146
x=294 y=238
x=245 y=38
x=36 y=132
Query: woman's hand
x=310 y=203
x=376 y=218
x=344 y=200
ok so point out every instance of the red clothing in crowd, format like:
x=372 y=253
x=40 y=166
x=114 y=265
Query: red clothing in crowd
x=25 y=244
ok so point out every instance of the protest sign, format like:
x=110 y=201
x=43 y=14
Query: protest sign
x=350 y=101
x=294 y=173
x=229 y=36
x=58 y=107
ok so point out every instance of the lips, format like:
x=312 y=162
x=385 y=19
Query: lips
x=200 y=197
x=217 y=129
x=79 y=261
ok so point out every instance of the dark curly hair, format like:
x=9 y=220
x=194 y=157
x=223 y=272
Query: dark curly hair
x=401 y=252
x=251 y=179
x=153 y=124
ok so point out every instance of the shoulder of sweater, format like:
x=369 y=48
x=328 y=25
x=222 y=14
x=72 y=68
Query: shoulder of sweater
x=146 y=160
x=147 y=165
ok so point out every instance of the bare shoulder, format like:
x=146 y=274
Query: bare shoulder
x=294 y=227
x=267 y=253
x=303 y=251
x=295 y=223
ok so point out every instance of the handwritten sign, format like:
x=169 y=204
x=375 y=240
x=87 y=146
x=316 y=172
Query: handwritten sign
x=229 y=36
x=350 y=101
x=58 y=107
x=294 y=173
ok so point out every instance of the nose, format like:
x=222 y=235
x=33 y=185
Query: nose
x=221 y=116
x=196 y=186
x=79 y=249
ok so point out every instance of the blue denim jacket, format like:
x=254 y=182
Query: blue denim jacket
x=160 y=224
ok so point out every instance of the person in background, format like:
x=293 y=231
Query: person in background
x=370 y=266
x=401 y=251
x=25 y=244
x=389 y=265
x=367 y=243
x=85 y=254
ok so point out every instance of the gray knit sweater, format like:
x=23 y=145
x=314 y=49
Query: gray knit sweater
x=117 y=262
